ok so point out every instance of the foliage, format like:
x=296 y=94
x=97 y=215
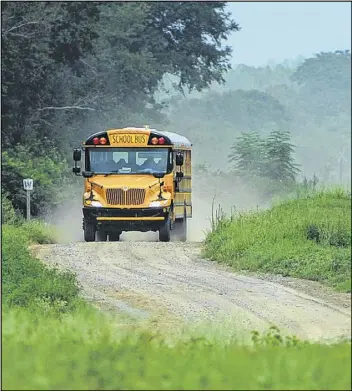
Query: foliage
x=25 y=280
x=264 y=99
x=273 y=337
x=91 y=351
x=239 y=109
x=269 y=158
x=329 y=72
x=69 y=69
x=9 y=215
x=309 y=237
x=248 y=155
x=38 y=232
x=279 y=162
x=47 y=170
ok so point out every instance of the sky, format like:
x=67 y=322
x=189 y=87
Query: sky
x=274 y=31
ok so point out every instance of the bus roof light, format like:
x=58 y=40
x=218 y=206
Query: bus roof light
x=103 y=140
x=161 y=140
x=154 y=140
x=95 y=140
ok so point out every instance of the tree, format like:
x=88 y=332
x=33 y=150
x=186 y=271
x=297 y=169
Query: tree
x=49 y=172
x=270 y=157
x=248 y=156
x=325 y=82
x=103 y=56
x=279 y=162
x=193 y=32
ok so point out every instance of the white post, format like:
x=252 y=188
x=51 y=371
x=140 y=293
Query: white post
x=28 y=205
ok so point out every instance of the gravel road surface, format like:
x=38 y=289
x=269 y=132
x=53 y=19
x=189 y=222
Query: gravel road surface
x=147 y=279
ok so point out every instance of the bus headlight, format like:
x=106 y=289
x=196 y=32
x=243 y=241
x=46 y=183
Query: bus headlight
x=157 y=204
x=97 y=204
x=154 y=204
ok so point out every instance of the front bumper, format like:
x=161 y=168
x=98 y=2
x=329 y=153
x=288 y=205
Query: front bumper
x=124 y=219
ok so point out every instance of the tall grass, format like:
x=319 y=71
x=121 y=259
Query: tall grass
x=26 y=281
x=88 y=352
x=308 y=237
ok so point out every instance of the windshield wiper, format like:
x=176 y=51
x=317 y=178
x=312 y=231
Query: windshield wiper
x=112 y=172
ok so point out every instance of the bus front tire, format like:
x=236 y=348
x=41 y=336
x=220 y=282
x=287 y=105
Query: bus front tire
x=164 y=231
x=114 y=237
x=89 y=232
x=102 y=236
x=179 y=231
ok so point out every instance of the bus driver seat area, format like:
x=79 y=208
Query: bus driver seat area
x=120 y=164
x=149 y=164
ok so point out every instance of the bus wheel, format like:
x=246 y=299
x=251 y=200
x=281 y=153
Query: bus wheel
x=102 y=236
x=89 y=232
x=164 y=231
x=179 y=231
x=114 y=237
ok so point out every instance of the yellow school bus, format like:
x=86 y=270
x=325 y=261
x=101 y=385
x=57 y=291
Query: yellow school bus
x=135 y=179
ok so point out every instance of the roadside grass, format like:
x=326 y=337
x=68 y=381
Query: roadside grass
x=308 y=237
x=26 y=281
x=87 y=352
x=39 y=232
x=51 y=339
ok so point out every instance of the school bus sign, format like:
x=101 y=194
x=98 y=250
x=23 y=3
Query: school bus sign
x=130 y=140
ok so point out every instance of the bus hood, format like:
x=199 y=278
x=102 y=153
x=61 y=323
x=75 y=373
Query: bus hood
x=119 y=181
x=101 y=184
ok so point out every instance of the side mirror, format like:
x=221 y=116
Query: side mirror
x=158 y=175
x=77 y=154
x=179 y=159
x=76 y=170
x=87 y=174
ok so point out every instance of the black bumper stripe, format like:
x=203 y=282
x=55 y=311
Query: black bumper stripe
x=92 y=213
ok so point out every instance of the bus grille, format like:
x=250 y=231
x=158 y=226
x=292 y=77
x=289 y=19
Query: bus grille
x=121 y=197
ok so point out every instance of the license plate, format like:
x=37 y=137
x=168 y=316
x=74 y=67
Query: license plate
x=123 y=140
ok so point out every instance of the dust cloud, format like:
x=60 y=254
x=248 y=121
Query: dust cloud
x=208 y=190
x=211 y=191
x=67 y=218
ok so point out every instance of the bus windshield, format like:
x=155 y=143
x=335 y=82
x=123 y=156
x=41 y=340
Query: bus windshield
x=130 y=160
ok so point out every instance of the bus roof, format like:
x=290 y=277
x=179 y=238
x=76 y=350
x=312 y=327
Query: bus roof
x=176 y=139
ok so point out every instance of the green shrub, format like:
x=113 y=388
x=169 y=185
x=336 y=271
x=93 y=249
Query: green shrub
x=26 y=281
x=39 y=232
x=9 y=215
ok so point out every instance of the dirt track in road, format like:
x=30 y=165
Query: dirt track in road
x=170 y=280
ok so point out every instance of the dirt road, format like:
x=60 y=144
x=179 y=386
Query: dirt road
x=171 y=280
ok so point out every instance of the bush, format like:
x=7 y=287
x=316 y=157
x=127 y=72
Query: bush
x=49 y=172
x=9 y=215
x=39 y=232
x=26 y=281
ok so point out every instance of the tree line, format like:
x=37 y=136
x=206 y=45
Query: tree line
x=72 y=68
x=310 y=99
